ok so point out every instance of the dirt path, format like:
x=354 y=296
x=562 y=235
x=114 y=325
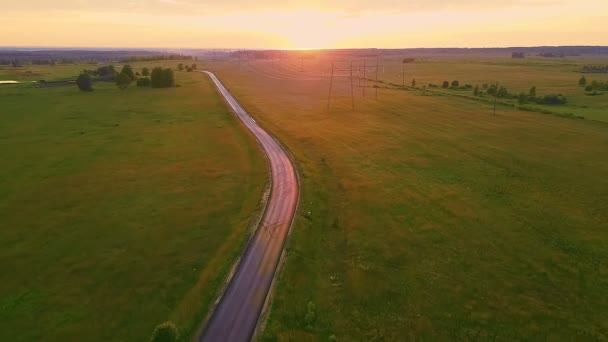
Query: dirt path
x=237 y=314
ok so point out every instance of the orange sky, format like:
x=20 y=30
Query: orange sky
x=303 y=24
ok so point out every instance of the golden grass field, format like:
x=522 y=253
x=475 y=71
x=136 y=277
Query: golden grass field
x=424 y=216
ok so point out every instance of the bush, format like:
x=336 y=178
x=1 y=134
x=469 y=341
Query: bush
x=491 y=90
x=145 y=72
x=84 y=82
x=455 y=84
x=128 y=71
x=445 y=84
x=162 y=78
x=180 y=67
x=502 y=92
x=311 y=315
x=589 y=88
x=143 y=82
x=553 y=99
x=521 y=98
x=193 y=67
x=165 y=332
x=123 y=81
x=582 y=81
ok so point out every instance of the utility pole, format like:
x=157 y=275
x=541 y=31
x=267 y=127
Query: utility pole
x=403 y=74
x=331 y=81
x=364 y=79
x=495 y=96
x=352 y=95
x=376 y=76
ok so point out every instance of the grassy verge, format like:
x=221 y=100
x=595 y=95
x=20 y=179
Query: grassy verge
x=426 y=217
x=119 y=209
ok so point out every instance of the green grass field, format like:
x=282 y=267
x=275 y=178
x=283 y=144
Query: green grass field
x=425 y=217
x=119 y=209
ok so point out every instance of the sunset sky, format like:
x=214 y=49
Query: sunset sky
x=293 y=24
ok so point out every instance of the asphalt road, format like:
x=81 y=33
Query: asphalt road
x=236 y=316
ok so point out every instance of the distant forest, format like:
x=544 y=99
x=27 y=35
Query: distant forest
x=50 y=57
x=545 y=51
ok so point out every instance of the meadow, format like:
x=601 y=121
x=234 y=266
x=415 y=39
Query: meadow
x=424 y=216
x=120 y=209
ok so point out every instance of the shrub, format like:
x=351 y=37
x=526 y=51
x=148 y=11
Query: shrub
x=193 y=67
x=582 y=81
x=128 y=71
x=84 y=82
x=445 y=84
x=162 y=78
x=521 y=98
x=491 y=90
x=180 y=67
x=165 y=332
x=106 y=73
x=143 y=82
x=502 y=92
x=589 y=88
x=455 y=84
x=145 y=72
x=123 y=81
x=311 y=315
x=553 y=99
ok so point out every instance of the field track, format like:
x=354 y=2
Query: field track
x=236 y=315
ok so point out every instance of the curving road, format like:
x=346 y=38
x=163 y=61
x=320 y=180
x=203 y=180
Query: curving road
x=236 y=315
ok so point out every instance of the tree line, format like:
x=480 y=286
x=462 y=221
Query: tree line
x=157 y=78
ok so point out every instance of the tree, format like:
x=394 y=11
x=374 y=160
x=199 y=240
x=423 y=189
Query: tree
x=123 y=80
x=194 y=66
x=521 y=98
x=455 y=84
x=168 y=78
x=106 y=73
x=128 y=71
x=156 y=78
x=84 y=82
x=492 y=90
x=413 y=82
x=532 y=92
x=553 y=99
x=143 y=82
x=582 y=81
x=476 y=90
x=162 y=78
x=145 y=72
x=502 y=92
x=445 y=84
x=165 y=332
x=180 y=67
